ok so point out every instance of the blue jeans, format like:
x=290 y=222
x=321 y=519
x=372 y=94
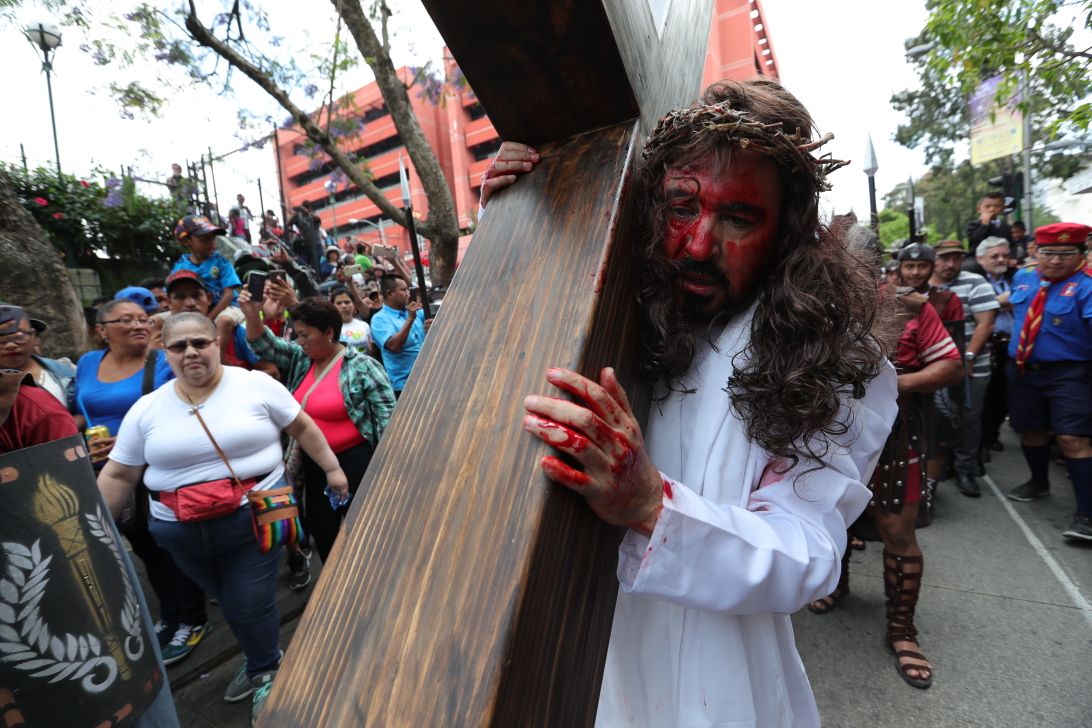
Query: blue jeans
x=222 y=556
x=161 y=713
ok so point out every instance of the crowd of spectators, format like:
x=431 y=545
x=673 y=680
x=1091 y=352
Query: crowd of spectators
x=293 y=365
x=283 y=365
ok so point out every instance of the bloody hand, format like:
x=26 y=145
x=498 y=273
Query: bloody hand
x=619 y=482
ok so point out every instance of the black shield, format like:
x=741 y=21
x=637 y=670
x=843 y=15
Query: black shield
x=74 y=646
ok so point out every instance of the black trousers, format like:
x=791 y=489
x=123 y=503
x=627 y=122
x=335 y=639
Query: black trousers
x=181 y=601
x=996 y=406
x=320 y=521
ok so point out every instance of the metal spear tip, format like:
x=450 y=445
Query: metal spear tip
x=403 y=179
x=871 y=166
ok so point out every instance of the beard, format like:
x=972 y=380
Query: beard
x=698 y=310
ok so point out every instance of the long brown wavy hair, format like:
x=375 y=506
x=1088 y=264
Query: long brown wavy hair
x=812 y=340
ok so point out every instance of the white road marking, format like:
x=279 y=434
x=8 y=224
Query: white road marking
x=1070 y=588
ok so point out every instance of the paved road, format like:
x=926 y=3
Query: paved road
x=1004 y=616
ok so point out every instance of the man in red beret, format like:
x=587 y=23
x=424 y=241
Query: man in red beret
x=1051 y=367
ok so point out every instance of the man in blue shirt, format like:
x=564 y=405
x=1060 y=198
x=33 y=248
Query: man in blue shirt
x=1051 y=371
x=399 y=330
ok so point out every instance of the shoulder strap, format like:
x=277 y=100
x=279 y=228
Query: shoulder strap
x=319 y=378
x=219 y=450
x=149 y=371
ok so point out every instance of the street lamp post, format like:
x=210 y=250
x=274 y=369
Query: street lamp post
x=330 y=186
x=48 y=38
x=407 y=207
x=382 y=232
x=870 y=168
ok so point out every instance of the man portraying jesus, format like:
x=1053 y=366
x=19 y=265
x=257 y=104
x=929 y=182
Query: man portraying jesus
x=772 y=403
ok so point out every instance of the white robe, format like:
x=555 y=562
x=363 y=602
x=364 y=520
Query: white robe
x=701 y=633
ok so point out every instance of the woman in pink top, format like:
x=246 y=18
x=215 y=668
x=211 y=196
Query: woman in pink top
x=345 y=392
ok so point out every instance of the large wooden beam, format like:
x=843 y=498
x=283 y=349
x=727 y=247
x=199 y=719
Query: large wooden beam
x=466 y=589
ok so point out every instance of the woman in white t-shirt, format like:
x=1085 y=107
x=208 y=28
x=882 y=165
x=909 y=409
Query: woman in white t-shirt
x=354 y=332
x=163 y=440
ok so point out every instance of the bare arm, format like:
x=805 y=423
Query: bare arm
x=116 y=483
x=939 y=374
x=397 y=342
x=313 y=442
x=252 y=311
x=362 y=309
x=224 y=302
x=982 y=331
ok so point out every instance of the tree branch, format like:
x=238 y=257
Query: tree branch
x=442 y=220
x=204 y=37
x=1051 y=47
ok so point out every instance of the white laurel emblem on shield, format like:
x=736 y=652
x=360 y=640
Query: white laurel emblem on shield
x=26 y=641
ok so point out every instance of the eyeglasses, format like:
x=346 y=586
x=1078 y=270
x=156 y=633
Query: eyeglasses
x=130 y=321
x=1048 y=254
x=19 y=337
x=179 y=347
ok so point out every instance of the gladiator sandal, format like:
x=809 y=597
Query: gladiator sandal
x=901 y=584
x=826 y=604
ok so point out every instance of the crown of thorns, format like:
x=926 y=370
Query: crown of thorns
x=794 y=151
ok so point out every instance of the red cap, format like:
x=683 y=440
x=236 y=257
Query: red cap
x=184 y=275
x=1062 y=233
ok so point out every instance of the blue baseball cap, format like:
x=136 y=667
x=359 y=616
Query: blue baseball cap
x=140 y=296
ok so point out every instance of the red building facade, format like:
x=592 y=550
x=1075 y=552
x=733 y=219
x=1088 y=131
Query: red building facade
x=465 y=141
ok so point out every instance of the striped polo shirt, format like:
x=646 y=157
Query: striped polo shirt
x=977 y=296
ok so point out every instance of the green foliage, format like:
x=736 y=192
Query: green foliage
x=895 y=225
x=86 y=219
x=951 y=200
x=977 y=39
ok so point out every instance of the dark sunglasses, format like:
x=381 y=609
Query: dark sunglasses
x=179 y=347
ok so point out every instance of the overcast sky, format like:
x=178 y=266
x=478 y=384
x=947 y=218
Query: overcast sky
x=842 y=58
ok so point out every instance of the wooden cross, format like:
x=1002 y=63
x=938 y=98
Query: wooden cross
x=467 y=589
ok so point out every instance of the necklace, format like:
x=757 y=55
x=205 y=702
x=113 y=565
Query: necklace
x=194 y=406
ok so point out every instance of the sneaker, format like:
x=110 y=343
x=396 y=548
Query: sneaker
x=185 y=639
x=299 y=570
x=262 y=684
x=164 y=632
x=1080 y=529
x=1029 y=491
x=239 y=688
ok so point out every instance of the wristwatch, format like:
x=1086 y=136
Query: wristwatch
x=970 y=356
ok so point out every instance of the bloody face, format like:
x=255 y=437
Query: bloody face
x=721 y=227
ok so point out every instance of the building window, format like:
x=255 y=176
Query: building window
x=374 y=113
x=485 y=150
x=384 y=145
x=475 y=111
